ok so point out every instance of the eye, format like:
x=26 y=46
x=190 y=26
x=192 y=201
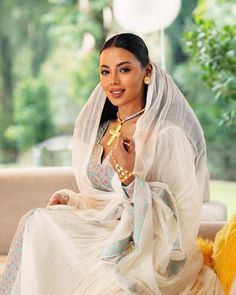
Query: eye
x=124 y=70
x=104 y=72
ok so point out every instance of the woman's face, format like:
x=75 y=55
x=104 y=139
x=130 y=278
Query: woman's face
x=121 y=77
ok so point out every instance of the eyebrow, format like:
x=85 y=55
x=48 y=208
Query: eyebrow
x=118 y=65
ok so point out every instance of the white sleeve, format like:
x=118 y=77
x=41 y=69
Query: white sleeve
x=176 y=169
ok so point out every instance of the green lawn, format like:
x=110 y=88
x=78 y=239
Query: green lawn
x=225 y=192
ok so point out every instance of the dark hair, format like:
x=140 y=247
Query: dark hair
x=135 y=45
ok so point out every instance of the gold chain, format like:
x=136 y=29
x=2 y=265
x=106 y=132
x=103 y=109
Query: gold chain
x=117 y=132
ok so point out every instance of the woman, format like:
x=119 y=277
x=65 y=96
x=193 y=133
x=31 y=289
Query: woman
x=139 y=158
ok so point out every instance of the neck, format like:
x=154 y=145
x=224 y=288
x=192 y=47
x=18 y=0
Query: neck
x=126 y=111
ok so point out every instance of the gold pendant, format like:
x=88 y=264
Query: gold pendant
x=114 y=133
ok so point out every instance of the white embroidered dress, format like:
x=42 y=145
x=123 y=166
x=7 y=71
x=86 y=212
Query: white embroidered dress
x=139 y=240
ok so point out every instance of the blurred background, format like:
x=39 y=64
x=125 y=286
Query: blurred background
x=49 y=52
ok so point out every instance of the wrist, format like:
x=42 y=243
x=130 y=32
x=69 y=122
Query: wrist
x=128 y=181
x=125 y=176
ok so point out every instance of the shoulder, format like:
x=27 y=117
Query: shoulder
x=170 y=132
x=173 y=138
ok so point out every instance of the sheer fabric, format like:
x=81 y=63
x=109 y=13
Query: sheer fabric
x=171 y=165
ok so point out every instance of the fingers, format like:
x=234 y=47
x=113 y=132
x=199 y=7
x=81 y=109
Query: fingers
x=131 y=146
x=124 y=144
x=58 y=200
x=54 y=201
x=124 y=153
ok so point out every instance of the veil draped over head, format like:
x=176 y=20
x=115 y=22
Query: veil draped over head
x=170 y=162
x=165 y=105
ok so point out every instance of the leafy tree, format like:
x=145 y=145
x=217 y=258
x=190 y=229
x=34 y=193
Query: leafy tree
x=32 y=115
x=75 y=20
x=20 y=29
x=213 y=47
x=221 y=145
x=209 y=73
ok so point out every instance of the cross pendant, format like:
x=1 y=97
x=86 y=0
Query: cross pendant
x=114 y=133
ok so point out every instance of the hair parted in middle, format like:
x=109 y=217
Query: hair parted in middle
x=136 y=46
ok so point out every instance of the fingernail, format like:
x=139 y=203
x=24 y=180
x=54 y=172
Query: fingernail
x=126 y=143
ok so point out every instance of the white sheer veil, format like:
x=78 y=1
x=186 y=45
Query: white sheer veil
x=165 y=104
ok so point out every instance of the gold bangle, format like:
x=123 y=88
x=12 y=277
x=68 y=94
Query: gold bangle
x=122 y=173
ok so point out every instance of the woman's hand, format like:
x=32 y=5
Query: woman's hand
x=124 y=153
x=58 y=199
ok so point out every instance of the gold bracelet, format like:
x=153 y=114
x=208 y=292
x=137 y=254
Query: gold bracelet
x=122 y=173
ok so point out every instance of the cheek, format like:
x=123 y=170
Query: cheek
x=136 y=82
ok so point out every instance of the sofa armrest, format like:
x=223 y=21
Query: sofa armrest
x=24 y=189
x=208 y=230
x=214 y=211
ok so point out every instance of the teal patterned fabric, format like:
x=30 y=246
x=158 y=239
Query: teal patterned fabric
x=14 y=257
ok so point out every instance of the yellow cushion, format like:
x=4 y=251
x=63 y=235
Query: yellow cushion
x=206 y=247
x=224 y=254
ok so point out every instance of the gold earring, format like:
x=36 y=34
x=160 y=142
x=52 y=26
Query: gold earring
x=147 y=80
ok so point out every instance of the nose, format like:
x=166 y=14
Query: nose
x=115 y=80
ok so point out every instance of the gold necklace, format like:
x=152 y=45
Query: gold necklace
x=116 y=132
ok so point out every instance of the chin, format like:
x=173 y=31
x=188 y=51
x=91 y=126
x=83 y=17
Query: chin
x=117 y=102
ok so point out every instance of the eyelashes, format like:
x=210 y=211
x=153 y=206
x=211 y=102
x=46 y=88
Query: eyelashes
x=124 y=70
x=121 y=70
x=104 y=72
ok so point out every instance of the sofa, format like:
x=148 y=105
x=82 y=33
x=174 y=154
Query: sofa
x=22 y=189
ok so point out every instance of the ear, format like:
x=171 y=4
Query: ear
x=148 y=70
